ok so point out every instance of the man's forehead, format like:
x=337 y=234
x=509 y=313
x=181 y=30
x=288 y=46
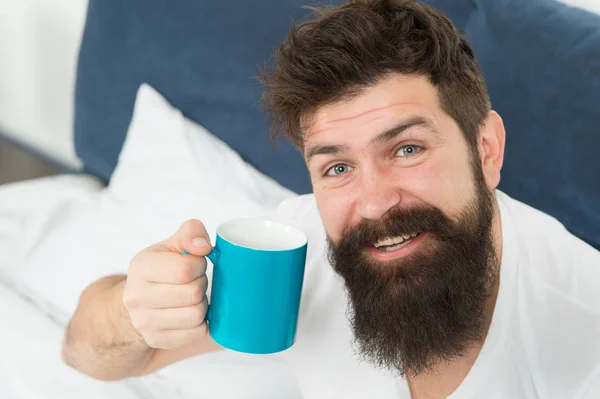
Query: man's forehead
x=390 y=95
x=330 y=118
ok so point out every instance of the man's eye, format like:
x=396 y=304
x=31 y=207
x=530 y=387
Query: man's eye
x=337 y=170
x=408 y=150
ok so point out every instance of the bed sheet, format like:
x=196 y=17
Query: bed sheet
x=29 y=208
x=32 y=322
x=59 y=234
x=30 y=365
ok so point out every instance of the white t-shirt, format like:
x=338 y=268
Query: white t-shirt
x=544 y=339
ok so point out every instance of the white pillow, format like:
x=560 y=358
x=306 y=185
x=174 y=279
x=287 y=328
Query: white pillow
x=170 y=170
x=589 y=5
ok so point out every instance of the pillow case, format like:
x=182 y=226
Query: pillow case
x=170 y=170
x=541 y=61
x=589 y=5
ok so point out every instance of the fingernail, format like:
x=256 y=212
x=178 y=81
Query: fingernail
x=200 y=242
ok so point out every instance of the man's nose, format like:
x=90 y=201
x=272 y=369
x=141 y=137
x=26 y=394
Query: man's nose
x=379 y=193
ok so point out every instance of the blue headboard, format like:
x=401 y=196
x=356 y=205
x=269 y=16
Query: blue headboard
x=541 y=60
x=202 y=56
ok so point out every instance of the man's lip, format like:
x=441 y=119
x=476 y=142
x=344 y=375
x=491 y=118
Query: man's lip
x=398 y=253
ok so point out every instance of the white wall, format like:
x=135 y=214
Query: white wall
x=39 y=41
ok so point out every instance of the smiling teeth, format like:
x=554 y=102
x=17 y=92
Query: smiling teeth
x=394 y=240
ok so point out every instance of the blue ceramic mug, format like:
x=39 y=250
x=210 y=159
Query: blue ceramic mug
x=256 y=285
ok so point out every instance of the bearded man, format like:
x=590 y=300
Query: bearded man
x=453 y=286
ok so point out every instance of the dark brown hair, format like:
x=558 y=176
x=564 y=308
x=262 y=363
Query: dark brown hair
x=354 y=46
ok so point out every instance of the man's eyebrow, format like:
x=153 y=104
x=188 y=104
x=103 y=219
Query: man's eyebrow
x=381 y=138
x=325 y=150
x=401 y=128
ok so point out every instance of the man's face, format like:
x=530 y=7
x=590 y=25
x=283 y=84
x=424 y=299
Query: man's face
x=408 y=216
x=362 y=167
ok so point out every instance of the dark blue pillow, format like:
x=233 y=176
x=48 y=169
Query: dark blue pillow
x=541 y=61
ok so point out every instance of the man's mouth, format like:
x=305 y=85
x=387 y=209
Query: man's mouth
x=393 y=243
x=395 y=247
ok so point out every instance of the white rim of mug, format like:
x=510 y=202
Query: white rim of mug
x=303 y=235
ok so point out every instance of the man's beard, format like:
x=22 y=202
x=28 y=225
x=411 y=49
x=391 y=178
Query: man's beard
x=414 y=312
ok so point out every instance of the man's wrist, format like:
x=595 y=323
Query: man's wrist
x=128 y=332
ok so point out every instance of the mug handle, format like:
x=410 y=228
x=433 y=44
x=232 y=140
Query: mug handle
x=213 y=256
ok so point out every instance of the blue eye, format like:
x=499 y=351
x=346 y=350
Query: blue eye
x=408 y=150
x=337 y=170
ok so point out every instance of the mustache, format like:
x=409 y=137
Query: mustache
x=398 y=222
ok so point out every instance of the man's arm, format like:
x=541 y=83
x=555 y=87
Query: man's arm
x=100 y=340
x=165 y=298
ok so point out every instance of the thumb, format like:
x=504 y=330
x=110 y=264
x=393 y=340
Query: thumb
x=191 y=237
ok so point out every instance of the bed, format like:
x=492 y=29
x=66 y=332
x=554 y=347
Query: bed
x=168 y=126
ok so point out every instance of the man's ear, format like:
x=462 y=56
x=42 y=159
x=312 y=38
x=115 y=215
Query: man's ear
x=491 y=148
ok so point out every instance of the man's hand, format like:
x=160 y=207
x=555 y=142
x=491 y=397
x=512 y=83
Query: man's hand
x=127 y=326
x=165 y=291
